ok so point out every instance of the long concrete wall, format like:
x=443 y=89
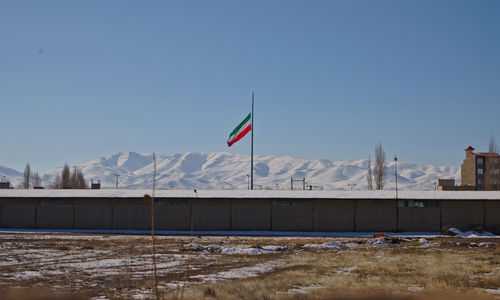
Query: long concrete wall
x=333 y=215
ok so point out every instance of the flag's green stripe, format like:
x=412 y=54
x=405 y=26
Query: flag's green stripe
x=241 y=125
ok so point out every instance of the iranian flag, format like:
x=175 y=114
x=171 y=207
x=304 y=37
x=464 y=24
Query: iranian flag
x=240 y=130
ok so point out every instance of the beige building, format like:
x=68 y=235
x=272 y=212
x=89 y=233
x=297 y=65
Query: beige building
x=449 y=185
x=481 y=171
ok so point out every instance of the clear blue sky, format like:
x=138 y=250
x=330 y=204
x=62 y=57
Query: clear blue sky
x=84 y=79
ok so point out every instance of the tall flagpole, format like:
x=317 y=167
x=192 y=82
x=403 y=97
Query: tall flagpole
x=251 y=155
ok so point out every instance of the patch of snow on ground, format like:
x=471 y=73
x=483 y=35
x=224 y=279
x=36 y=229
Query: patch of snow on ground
x=244 y=249
x=492 y=291
x=344 y=271
x=325 y=245
x=486 y=244
x=427 y=244
x=471 y=234
x=244 y=272
x=142 y=294
x=303 y=289
x=376 y=242
x=276 y=248
x=26 y=275
x=483 y=244
x=98 y=263
x=414 y=288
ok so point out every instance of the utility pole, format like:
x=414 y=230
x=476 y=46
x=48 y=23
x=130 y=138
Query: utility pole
x=397 y=201
x=116 y=175
x=152 y=218
x=396 y=173
x=248 y=181
x=251 y=163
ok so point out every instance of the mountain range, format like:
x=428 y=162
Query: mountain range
x=194 y=170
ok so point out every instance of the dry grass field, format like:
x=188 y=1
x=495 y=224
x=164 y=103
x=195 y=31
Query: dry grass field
x=70 y=266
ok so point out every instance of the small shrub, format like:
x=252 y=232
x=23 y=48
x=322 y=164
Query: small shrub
x=209 y=292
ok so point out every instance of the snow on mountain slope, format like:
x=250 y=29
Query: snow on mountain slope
x=11 y=175
x=229 y=171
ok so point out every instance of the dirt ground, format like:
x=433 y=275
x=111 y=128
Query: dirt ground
x=192 y=267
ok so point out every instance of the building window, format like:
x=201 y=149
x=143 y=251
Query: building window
x=479 y=181
x=415 y=203
x=479 y=161
x=291 y=202
x=495 y=171
x=480 y=171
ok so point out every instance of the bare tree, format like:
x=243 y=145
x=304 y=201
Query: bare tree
x=79 y=182
x=492 y=148
x=69 y=180
x=66 y=177
x=27 y=176
x=379 y=166
x=73 y=181
x=369 y=176
x=36 y=179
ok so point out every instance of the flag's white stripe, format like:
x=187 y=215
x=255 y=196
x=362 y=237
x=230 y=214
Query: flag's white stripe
x=231 y=138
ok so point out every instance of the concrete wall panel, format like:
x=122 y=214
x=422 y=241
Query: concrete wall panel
x=333 y=215
x=93 y=217
x=462 y=214
x=172 y=214
x=55 y=214
x=419 y=219
x=376 y=215
x=292 y=215
x=93 y=213
x=251 y=214
x=131 y=214
x=211 y=214
x=492 y=216
x=17 y=213
x=17 y=216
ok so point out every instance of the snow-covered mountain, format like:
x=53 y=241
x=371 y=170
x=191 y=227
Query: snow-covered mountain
x=229 y=171
x=11 y=175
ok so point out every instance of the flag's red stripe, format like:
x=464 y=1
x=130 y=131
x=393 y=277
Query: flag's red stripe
x=239 y=136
